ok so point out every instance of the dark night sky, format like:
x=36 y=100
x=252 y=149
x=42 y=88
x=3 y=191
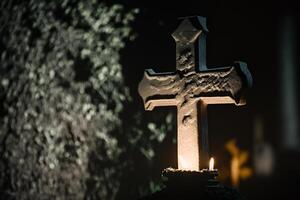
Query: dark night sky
x=246 y=31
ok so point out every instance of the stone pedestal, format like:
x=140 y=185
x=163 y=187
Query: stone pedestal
x=190 y=185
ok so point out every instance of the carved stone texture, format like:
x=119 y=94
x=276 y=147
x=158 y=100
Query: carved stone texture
x=191 y=88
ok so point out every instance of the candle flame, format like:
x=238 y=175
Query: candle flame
x=211 y=164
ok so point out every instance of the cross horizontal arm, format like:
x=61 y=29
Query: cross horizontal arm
x=226 y=85
x=221 y=86
x=159 y=89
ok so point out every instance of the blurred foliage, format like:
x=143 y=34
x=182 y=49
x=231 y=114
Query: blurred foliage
x=62 y=96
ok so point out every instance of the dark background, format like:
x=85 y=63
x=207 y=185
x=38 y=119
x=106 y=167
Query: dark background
x=247 y=31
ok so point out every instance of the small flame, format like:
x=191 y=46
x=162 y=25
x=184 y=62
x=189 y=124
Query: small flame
x=211 y=164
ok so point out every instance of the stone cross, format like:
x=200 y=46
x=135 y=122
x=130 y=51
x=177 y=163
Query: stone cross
x=191 y=88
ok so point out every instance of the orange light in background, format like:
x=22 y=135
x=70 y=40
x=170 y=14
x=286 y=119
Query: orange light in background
x=238 y=160
x=235 y=171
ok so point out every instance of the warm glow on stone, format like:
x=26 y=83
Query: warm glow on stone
x=188 y=163
x=211 y=164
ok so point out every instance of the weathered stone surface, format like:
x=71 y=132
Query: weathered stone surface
x=224 y=86
x=190 y=86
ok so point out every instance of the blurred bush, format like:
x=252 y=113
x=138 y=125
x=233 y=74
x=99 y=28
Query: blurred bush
x=62 y=94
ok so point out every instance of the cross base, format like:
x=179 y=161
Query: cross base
x=190 y=185
x=187 y=179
